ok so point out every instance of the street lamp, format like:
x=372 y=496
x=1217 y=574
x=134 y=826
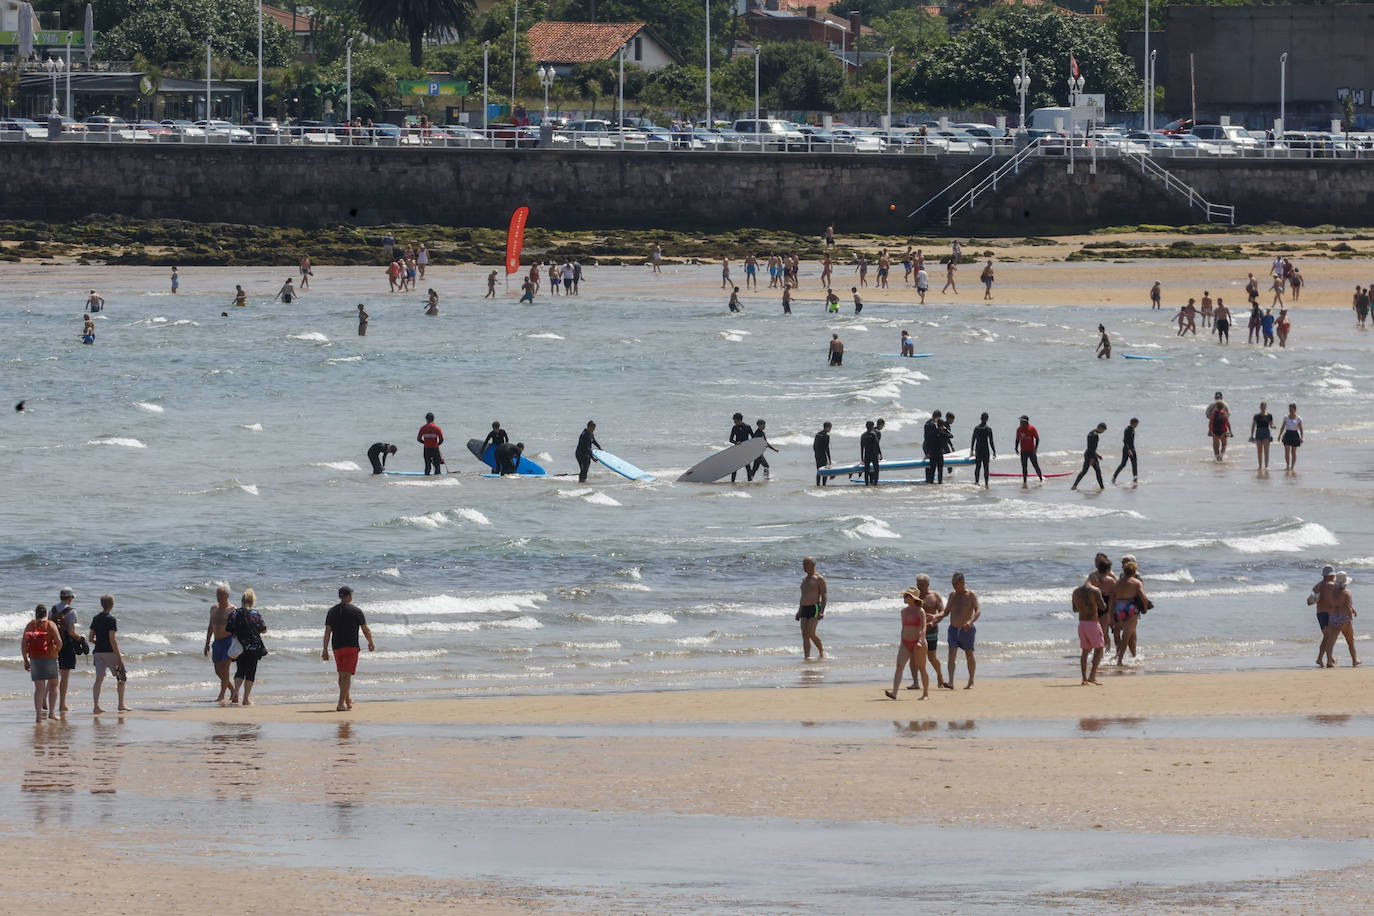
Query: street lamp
x=1150 y=82
x=52 y=67
x=1283 y=91
x=757 y=52
x=260 y=58
x=1021 y=84
x=486 y=49
x=888 y=125
x=514 y=37
x=620 y=97
x=348 y=83
x=709 y=122
x=546 y=76
x=1149 y=87
x=1075 y=89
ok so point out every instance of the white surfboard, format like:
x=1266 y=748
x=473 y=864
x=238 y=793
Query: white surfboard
x=725 y=461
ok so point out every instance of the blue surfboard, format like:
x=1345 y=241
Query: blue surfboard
x=1139 y=356
x=620 y=466
x=899 y=464
x=526 y=467
x=912 y=356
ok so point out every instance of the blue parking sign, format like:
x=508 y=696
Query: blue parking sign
x=434 y=88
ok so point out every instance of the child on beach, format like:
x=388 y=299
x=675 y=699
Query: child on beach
x=911 y=649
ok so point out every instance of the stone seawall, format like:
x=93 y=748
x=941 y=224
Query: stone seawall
x=310 y=188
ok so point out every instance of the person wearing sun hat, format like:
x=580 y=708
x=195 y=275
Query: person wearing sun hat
x=911 y=650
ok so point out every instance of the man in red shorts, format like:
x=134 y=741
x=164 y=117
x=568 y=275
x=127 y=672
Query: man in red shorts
x=341 y=626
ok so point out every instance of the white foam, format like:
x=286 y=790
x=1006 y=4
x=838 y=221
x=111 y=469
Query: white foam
x=600 y=499
x=590 y=646
x=651 y=618
x=1309 y=534
x=392 y=571
x=1178 y=575
x=471 y=515
x=1358 y=561
x=869 y=527
x=251 y=427
x=630 y=572
x=428 y=520
x=545 y=337
x=115 y=440
x=314 y=336
x=443 y=605
x=345 y=359
x=337 y=465
x=151 y=408
x=250 y=489
x=180 y=322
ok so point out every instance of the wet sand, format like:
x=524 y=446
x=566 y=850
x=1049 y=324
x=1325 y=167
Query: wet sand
x=690 y=801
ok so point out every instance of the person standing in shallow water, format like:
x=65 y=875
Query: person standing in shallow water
x=962 y=609
x=813 y=601
x=1104 y=343
x=362 y=320
x=341 y=627
x=911 y=646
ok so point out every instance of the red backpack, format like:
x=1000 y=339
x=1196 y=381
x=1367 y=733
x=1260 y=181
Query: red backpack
x=36 y=642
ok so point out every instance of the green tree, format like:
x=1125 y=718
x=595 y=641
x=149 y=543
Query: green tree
x=418 y=19
x=974 y=68
x=175 y=31
x=911 y=31
x=682 y=87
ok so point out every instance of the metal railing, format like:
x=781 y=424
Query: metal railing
x=947 y=188
x=1171 y=183
x=965 y=201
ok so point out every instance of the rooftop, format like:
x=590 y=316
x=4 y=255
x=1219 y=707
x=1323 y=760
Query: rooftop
x=579 y=42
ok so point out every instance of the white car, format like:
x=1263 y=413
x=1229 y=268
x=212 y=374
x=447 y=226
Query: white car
x=184 y=130
x=863 y=142
x=232 y=133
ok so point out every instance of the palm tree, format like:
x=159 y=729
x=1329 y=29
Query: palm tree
x=417 y=18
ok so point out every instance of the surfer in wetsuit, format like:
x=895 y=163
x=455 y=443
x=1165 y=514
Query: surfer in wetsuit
x=496 y=437
x=740 y=432
x=431 y=437
x=982 y=449
x=870 y=453
x=821 y=446
x=761 y=461
x=1091 y=459
x=507 y=457
x=585 y=443
x=377 y=455
x=933 y=444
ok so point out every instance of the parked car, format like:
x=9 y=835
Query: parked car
x=105 y=124
x=267 y=130
x=1233 y=134
x=184 y=129
x=22 y=129
x=154 y=129
x=961 y=142
x=863 y=141
x=223 y=129
x=771 y=132
x=513 y=135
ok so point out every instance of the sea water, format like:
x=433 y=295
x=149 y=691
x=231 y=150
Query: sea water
x=185 y=449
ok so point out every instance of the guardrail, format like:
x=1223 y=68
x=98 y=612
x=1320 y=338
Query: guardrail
x=330 y=137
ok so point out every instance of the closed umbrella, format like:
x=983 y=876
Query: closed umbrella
x=90 y=34
x=25 y=31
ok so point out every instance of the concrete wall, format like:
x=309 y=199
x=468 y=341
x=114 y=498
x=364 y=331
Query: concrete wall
x=703 y=191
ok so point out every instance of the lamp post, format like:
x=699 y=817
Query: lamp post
x=620 y=98
x=1021 y=84
x=68 y=67
x=709 y=121
x=260 y=58
x=207 y=92
x=888 y=125
x=757 y=53
x=52 y=65
x=514 y=37
x=1150 y=82
x=348 y=83
x=1147 y=61
x=486 y=49
x=546 y=75
x=1283 y=90
x=1075 y=89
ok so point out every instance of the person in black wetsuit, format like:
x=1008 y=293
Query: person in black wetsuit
x=1128 y=450
x=507 y=457
x=497 y=436
x=933 y=443
x=585 y=443
x=983 y=450
x=377 y=455
x=740 y=432
x=821 y=446
x=1091 y=459
x=870 y=453
x=760 y=461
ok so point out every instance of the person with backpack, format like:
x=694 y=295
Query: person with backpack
x=73 y=644
x=247 y=626
x=40 y=645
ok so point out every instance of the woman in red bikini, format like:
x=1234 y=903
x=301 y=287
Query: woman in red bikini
x=912 y=650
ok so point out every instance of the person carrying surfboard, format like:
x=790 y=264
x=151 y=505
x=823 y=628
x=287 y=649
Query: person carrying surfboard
x=431 y=437
x=497 y=436
x=585 y=443
x=740 y=432
x=760 y=461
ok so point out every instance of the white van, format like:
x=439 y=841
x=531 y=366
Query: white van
x=772 y=132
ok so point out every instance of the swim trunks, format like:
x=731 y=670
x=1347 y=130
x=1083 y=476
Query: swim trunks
x=219 y=649
x=961 y=637
x=346 y=660
x=1090 y=635
x=932 y=638
x=1124 y=609
x=808 y=611
x=1323 y=619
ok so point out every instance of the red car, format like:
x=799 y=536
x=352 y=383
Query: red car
x=1181 y=126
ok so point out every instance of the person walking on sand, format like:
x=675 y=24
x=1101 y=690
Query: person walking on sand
x=106 y=655
x=962 y=609
x=656 y=259
x=1091 y=459
x=1104 y=343
x=813 y=601
x=836 y=350
x=862 y=270
x=820 y=446
x=1128 y=451
x=1088 y=604
x=987 y=277
x=1322 y=596
x=247 y=626
x=911 y=646
x=1027 y=444
x=922 y=284
x=1340 y=621
x=725 y=274
x=1278 y=291
x=64 y=616
x=1221 y=325
x=1292 y=438
x=39 y=646
x=982 y=450
x=1128 y=603
x=829 y=236
x=342 y=624
x=1155 y=295
x=950 y=267
x=217 y=640
x=934 y=607
x=1262 y=433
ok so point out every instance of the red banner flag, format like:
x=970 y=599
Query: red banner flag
x=1073 y=66
x=515 y=239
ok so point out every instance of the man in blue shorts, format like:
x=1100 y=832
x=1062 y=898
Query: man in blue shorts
x=962 y=609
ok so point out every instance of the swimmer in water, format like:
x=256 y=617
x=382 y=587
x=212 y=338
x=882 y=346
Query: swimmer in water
x=908 y=345
x=287 y=293
x=735 y=304
x=240 y=297
x=1104 y=344
x=94 y=302
x=432 y=305
x=88 y=332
